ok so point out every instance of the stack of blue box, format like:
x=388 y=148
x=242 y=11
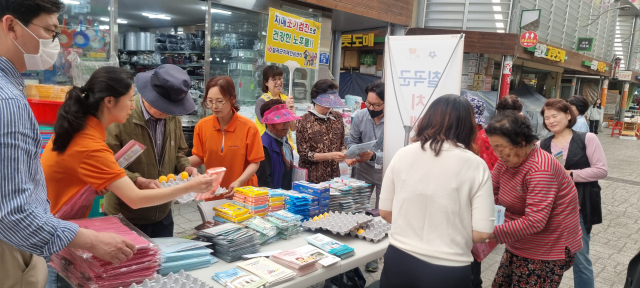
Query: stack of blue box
x=300 y=204
x=320 y=193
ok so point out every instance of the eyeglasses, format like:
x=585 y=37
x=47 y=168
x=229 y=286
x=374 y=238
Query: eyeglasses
x=375 y=106
x=55 y=33
x=210 y=103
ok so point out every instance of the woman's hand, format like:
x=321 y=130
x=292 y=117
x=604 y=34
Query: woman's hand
x=192 y=171
x=338 y=156
x=351 y=162
x=290 y=105
x=231 y=189
x=202 y=183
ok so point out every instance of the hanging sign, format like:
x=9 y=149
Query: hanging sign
x=419 y=69
x=528 y=39
x=290 y=37
x=357 y=40
x=624 y=75
x=551 y=53
x=585 y=44
x=596 y=65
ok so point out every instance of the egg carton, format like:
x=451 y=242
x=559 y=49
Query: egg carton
x=178 y=280
x=337 y=222
x=373 y=231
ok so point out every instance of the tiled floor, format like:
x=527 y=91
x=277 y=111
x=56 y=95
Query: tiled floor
x=613 y=243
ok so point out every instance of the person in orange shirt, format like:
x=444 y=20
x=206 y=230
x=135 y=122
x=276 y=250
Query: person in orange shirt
x=77 y=154
x=226 y=138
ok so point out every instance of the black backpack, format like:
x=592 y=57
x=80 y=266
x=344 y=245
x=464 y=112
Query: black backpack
x=633 y=273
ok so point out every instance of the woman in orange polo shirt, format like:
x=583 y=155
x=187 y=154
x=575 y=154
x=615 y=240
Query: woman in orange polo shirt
x=226 y=138
x=77 y=155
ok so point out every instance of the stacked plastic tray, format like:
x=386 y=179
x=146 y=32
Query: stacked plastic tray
x=231 y=241
x=348 y=195
x=288 y=224
x=306 y=206
x=82 y=269
x=321 y=193
x=256 y=200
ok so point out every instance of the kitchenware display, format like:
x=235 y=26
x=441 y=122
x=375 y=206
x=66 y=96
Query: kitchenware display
x=80 y=38
x=190 y=36
x=130 y=42
x=218 y=71
x=220 y=27
x=161 y=39
x=199 y=44
x=200 y=72
x=97 y=39
x=90 y=31
x=161 y=47
x=173 y=47
x=194 y=59
x=124 y=57
x=190 y=71
x=229 y=41
x=200 y=34
x=171 y=36
x=172 y=41
x=238 y=65
x=245 y=43
x=151 y=41
x=244 y=53
x=134 y=59
x=66 y=36
x=143 y=41
x=216 y=41
x=246 y=27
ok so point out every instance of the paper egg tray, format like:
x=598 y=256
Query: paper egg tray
x=373 y=231
x=338 y=222
x=178 y=280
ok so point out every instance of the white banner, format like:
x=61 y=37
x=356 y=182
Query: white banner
x=418 y=70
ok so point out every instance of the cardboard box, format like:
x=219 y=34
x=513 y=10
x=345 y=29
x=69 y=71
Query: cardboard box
x=474 y=55
x=478 y=83
x=472 y=69
x=380 y=62
x=473 y=63
x=478 y=77
x=368 y=69
x=352 y=59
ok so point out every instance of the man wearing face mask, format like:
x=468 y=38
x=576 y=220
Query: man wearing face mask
x=28 y=231
x=368 y=125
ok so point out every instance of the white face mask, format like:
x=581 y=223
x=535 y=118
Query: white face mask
x=46 y=56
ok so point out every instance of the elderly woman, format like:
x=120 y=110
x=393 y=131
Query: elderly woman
x=509 y=103
x=436 y=220
x=542 y=222
x=584 y=161
x=320 y=135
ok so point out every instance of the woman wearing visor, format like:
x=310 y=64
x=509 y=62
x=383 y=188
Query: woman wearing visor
x=320 y=134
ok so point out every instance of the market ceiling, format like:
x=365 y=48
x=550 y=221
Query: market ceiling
x=182 y=13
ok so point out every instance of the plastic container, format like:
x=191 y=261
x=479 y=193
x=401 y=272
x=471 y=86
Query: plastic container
x=45 y=111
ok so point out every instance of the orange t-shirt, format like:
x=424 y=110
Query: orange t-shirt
x=87 y=161
x=242 y=146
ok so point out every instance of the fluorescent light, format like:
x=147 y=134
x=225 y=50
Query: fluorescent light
x=497 y=16
x=617 y=44
x=157 y=16
x=495 y=1
x=618 y=48
x=499 y=24
x=70 y=2
x=497 y=8
x=104 y=19
x=122 y=21
x=104 y=27
x=500 y=31
x=220 y=11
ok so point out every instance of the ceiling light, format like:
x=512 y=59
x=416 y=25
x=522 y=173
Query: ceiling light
x=617 y=44
x=497 y=16
x=104 y=27
x=495 y=1
x=499 y=24
x=104 y=19
x=157 y=16
x=122 y=21
x=70 y=2
x=220 y=11
x=500 y=31
x=618 y=48
x=497 y=8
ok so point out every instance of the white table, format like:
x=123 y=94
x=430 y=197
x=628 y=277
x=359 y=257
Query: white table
x=365 y=252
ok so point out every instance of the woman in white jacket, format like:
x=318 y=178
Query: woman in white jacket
x=595 y=115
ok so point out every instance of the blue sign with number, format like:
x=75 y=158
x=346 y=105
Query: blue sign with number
x=324 y=58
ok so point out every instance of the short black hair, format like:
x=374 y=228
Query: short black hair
x=269 y=72
x=581 y=103
x=513 y=127
x=27 y=10
x=376 y=87
x=268 y=105
x=509 y=103
x=322 y=86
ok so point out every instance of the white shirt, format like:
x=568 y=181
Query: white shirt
x=437 y=201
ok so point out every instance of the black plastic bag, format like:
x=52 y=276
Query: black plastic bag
x=350 y=279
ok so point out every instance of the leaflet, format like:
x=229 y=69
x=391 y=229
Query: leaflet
x=357 y=149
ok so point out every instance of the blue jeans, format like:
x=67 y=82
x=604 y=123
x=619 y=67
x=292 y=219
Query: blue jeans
x=582 y=267
x=55 y=281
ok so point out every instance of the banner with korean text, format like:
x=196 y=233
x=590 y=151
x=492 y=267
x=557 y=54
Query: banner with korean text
x=418 y=70
x=292 y=38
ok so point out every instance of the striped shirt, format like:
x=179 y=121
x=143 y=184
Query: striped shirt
x=542 y=210
x=25 y=217
x=156 y=127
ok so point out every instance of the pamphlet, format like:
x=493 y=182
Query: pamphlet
x=175 y=244
x=267 y=270
x=326 y=259
x=357 y=149
x=236 y=278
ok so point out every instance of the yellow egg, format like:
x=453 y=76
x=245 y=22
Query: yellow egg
x=315 y=218
x=162 y=179
x=326 y=214
x=171 y=176
x=360 y=231
x=320 y=216
x=184 y=175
